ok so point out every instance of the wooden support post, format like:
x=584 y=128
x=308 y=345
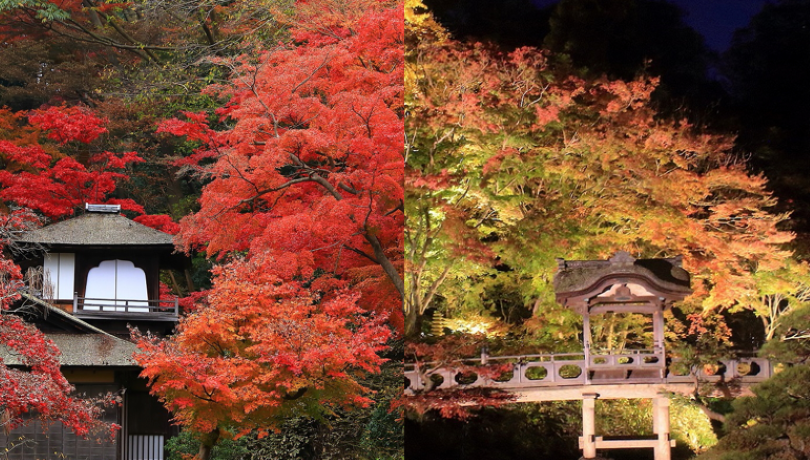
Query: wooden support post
x=658 y=341
x=586 y=344
x=658 y=329
x=661 y=428
x=589 y=425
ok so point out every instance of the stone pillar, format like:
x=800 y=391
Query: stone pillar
x=661 y=427
x=589 y=425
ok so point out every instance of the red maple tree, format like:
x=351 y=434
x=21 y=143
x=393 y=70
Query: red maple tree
x=313 y=161
x=36 y=385
x=304 y=211
x=61 y=182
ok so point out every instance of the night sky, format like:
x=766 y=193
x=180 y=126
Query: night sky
x=716 y=20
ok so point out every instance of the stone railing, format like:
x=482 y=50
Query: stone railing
x=569 y=369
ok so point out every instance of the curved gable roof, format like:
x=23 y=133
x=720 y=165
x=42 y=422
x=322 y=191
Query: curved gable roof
x=576 y=279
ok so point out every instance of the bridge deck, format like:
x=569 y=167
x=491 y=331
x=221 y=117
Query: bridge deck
x=602 y=443
x=617 y=391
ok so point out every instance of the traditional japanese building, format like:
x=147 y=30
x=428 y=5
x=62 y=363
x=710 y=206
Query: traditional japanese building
x=623 y=285
x=90 y=279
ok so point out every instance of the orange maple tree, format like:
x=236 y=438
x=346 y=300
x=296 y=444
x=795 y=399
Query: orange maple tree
x=268 y=349
x=304 y=212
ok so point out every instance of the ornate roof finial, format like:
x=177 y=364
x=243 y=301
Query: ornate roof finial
x=561 y=265
x=622 y=258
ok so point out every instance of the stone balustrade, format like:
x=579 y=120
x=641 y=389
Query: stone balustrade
x=570 y=369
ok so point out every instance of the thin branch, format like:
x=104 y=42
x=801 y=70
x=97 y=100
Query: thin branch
x=367 y=256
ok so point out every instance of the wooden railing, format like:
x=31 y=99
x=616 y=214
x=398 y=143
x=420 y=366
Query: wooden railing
x=146 y=309
x=569 y=369
x=145 y=447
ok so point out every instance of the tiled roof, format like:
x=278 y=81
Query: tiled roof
x=578 y=275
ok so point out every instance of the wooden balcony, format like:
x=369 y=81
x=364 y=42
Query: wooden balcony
x=144 y=310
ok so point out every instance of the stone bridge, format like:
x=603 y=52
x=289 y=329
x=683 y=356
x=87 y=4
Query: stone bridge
x=567 y=376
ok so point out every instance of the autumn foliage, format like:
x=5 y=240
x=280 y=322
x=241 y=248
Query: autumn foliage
x=512 y=162
x=313 y=161
x=39 y=387
x=266 y=352
x=43 y=389
x=62 y=183
x=303 y=210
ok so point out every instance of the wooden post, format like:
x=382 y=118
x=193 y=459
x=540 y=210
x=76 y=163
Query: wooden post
x=586 y=345
x=658 y=341
x=661 y=428
x=589 y=425
x=658 y=330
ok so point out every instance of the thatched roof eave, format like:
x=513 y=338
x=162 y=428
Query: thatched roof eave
x=98 y=230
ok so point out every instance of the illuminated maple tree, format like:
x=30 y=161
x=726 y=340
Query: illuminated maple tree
x=512 y=162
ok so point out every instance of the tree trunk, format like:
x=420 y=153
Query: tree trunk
x=207 y=443
x=413 y=323
x=386 y=264
x=189 y=281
